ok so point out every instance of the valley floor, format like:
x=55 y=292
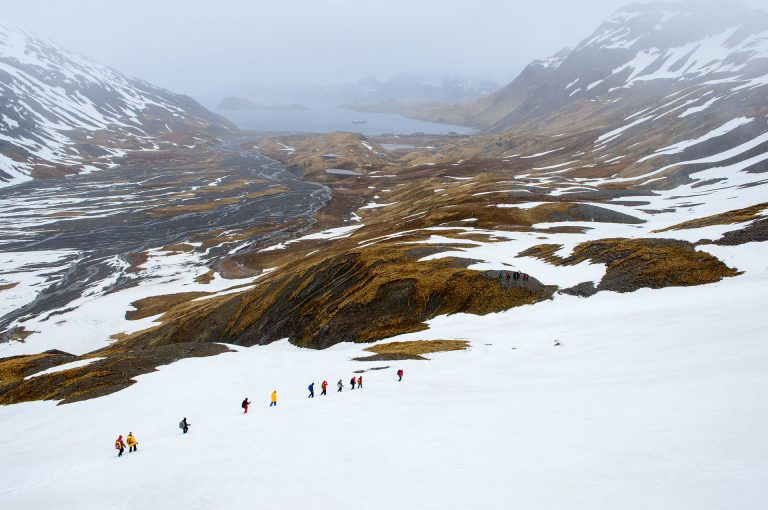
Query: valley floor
x=655 y=399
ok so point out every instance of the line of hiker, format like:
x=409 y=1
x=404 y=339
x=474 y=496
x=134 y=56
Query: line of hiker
x=515 y=275
x=184 y=425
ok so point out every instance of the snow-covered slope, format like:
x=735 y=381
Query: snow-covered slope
x=62 y=113
x=637 y=409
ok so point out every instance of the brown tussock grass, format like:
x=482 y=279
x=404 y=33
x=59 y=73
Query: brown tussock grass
x=726 y=218
x=418 y=347
x=155 y=305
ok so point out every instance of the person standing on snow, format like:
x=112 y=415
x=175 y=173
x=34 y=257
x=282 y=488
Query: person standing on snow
x=311 y=389
x=400 y=375
x=352 y=382
x=324 y=386
x=340 y=385
x=120 y=446
x=183 y=425
x=360 y=382
x=245 y=405
x=132 y=443
x=274 y=399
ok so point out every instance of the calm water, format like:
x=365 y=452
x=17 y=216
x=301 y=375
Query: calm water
x=326 y=118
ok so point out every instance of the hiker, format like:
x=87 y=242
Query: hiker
x=132 y=443
x=500 y=275
x=525 y=276
x=274 y=398
x=245 y=405
x=352 y=382
x=360 y=382
x=516 y=275
x=400 y=375
x=183 y=425
x=324 y=386
x=507 y=276
x=311 y=389
x=340 y=385
x=120 y=446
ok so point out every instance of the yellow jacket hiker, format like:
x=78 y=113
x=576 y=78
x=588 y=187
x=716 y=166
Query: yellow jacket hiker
x=274 y=399
x=132 y=443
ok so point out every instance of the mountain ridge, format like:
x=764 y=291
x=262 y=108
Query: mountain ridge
x=62 y=113
x=657 y=45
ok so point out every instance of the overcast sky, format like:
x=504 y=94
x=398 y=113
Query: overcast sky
x=207 y=48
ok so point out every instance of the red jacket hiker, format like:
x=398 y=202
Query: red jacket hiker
x=324 y=386
x=360 y=382
x=245 y=405
x=120 y=446
x=400 y=375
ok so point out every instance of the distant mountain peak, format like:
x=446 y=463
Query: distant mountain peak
x=54 y=102
x=660 y=46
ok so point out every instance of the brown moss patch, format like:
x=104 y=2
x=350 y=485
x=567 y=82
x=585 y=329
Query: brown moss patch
x=96 y=379
x=726 y=218
x=358 y=296
x=545 y=252
x=18 y=367
x=418 y=347
x=6 y=286
x=179 y=248
x=136 y=260
x=635 y=263
x=205 y=278
x=155 y=305
x=653 y=263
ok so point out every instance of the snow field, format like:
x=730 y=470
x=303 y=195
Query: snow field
x=653 y=400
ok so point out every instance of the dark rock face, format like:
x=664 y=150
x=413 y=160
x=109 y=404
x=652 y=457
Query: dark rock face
x=756 y=231
x=584 y=289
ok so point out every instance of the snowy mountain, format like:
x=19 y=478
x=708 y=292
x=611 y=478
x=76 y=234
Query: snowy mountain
x=61 y=113
x=715 y=51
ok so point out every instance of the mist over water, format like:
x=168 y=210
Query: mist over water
x=329 y=117
x=213 y=49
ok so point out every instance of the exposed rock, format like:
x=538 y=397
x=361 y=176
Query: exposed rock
x=584 y=289
x=757 y=231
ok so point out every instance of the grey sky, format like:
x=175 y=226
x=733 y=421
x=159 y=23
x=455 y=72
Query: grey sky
x=206 y=48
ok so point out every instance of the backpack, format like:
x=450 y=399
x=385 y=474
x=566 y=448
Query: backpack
x=117 y=445
x=245 y=403
x=181 y=424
